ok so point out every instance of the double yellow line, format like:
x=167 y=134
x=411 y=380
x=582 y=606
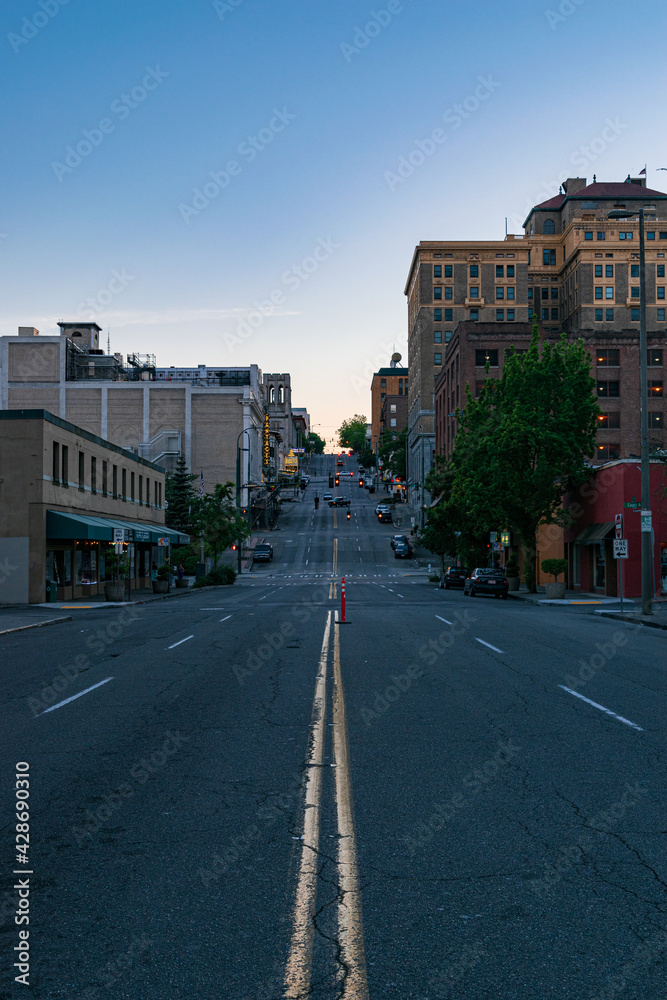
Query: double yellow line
x=350 y=923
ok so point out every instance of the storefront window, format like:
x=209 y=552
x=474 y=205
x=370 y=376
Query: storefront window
x=59 y=564
x=599 y=566
x=663 y=568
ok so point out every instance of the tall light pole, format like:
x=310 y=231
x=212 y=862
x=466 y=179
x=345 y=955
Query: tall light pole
x=238 y=488
x=646 y=535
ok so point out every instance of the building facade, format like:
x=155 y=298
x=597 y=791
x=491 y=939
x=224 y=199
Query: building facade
x=386 y=382
x=63 y=491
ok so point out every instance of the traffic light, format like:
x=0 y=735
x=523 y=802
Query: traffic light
x=361 y=482
x=337 y=480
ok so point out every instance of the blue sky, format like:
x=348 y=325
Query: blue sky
x=291 y=119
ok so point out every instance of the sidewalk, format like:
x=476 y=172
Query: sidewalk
x=610 y=607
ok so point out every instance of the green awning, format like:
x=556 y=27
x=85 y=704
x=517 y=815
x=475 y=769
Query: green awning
x=594 y=533
x=86 y=527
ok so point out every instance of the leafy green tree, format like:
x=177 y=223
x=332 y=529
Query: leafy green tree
x=182 y=498
x=314 y=444
x=352 y=433
x=220 y=523
x=367 y=457
x=392 y=453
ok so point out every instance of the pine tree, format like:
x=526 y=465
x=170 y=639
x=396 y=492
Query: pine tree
x=183 y=501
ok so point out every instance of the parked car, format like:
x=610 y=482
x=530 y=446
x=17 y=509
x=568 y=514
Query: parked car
x=487 y=581
x=399 y=538
x=263 y=552
x=380 y=507
x=455 y=576
x=339 y=502
x=385 y=517
x=402 y=550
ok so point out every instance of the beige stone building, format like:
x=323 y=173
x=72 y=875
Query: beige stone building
x=63 y=493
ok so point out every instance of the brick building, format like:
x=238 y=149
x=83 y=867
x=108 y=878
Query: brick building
x=386 y=382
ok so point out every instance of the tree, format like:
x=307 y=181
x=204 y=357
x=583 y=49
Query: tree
x=367 y=457
x=220 y=523
x=392 y=453
x=314 y=444
x=182 y=499
x=352 y=433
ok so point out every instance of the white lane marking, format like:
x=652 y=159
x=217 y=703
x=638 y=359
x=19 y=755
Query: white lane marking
x=264 y=598
x=75 y=696
x=180 y=641
x=601 y=707
x=389 y=589
x=400 y=595
x=306 y=565
x=359 y=547
x=211 y=609
x=494 y=648
x=444 y=620
x=225 y=619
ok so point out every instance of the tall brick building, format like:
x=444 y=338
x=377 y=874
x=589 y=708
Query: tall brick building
x=387 y=382
x=578 y=271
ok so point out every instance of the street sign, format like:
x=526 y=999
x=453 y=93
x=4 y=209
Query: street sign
x=619 y=525
x=620 y=548
x=633 y=504
x=118 y=535
x=505 y=538
x=647 y=520
x=493 y=535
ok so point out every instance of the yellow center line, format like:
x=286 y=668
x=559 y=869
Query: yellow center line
x=335 y=555
x=350 y=923
x=299 y=963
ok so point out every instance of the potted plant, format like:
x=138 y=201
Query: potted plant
x=161 y=585
x=512 y=573
x=119 y=564
x=555 y=567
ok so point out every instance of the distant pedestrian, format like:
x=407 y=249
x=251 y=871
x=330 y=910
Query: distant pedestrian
x=154 y=572
x=180 y=572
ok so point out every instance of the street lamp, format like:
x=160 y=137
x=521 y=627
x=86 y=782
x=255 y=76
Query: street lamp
x=646 y=536
x=238 y=487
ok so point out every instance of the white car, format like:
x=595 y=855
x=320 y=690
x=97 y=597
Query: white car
x=328 y=496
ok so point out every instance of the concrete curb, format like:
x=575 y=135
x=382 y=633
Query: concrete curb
x=22 y=628
x=628 y=618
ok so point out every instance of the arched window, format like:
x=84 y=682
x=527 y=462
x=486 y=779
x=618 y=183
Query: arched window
x=272 y=395
x=549 y=227
x=281 y=394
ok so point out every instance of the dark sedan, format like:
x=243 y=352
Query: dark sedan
x=263 y=552
x=402 y=550
x=487 y=581
x=455 y=577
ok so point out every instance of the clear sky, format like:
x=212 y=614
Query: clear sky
x=173 y=169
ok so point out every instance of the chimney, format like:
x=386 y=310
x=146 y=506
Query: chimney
x=28 y=331
x=574 y=184
x=639 y=180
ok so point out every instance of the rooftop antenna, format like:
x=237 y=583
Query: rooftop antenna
x=108 y=340
x=505 y=226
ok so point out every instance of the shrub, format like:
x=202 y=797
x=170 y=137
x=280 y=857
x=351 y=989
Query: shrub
x=164 y=572
x=434 y=578
x=512 y=567
x=554 y=566
x=218 y=576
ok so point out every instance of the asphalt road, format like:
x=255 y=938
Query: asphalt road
x=251 y=801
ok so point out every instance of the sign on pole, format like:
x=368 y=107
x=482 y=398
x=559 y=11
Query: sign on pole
x=620 y=548
x=647 y=520
x=493 y=535
x=163 y=541
x=619 y=525
x=118 y=535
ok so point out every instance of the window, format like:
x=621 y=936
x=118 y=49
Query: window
x=598 y=315
x=609 y=315
x=437 y=270
x=549 y=258
x=448 y=270
x=148 y=492
x=437 y=359
x=545 y=293
x=449 y=315
x=383 y=383
x=654 y=388
x=474 y=315
x=500 y=292
x=115 y=482
x=510 y=315
x=608 y=452
x=554 y=314
x=55 y=464
x=474 y=270
x=634 y=315
x=598 y=291
x=510 y=292
x=437 y=339
x=474 y=292
x=661 y=315
x=500 y=271
x=392 y=421
x=124 y=482
x=608 y=390
x=132 y=487
x=449 y=292
x=656 y=421
x=660 y=291
x=554 y=293
x=141 y=490
x=609 y=270
x=609 y=420
x=478 y=388
x=650 y=235
x=500 y=315
x=588 y=235
x=634 y=292
x=437 y=292
x=600 y=236
x=662 y=236
x=625 y=236
x=510 y=270
x=437 y=315
x=609 y=292
x=549 y=227
x=105 y=478
x=598 y=270
x=634 y=270
x=400 y=386
x=82 y=470
x=610 y=358
x=660 y=270
x=545 y=314
x=93 y=475
x=64 y=475
x=654 y=358
x=530 y=294
x=392 y=407
x=484 y=355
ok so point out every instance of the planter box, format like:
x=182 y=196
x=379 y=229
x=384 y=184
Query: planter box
x=114 y=591
x=514 y=583
x=160 y=586
x=182 y=584
x=554 y=591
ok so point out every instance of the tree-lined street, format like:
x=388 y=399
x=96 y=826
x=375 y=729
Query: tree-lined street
x=479 y=828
